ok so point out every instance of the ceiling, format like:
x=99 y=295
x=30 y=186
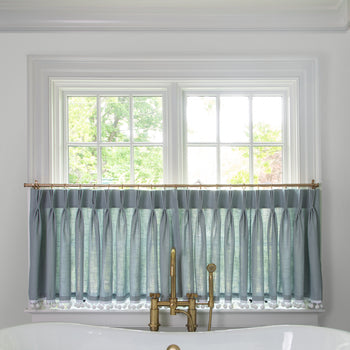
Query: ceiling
x=238 y=5
x=39 y=15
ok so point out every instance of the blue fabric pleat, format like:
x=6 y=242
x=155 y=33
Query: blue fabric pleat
x=165 y=241
x=187 y=271
x=135 y=253
x=65 y=252
x=35 y=264
x=299 y=252
x=314 y=250
x=243 y=251
x=272 y=250
x=152 y=251
x=94 y=269
x=51 y=244
x=121 y=252
x=229 y=250
x=215 y=245
x=200 y=250
x=285 y=251
x=106 y=282
x=79 y=248
x=257 y=255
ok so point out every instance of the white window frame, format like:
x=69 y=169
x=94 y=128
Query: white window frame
x=175 y=162
x=48 y=74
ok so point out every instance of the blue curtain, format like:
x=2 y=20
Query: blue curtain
x=112 y=247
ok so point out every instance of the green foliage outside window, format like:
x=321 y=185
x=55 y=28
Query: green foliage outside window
x=267 y=159
x=129 y=143
x=119 y=139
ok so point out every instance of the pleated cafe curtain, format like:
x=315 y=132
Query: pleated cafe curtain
x=111 y=247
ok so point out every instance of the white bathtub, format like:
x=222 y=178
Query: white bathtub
x=65 y=336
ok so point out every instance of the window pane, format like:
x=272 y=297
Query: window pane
x=201 y=164
x=267 y=119
x=201 y=119
x=148 y=164
x=82 y=119
x=82 y=165
x=115 y=119
x=234 y=165
x=115 y=164
x=148 y=119
x=234 y=119
x=267 y=164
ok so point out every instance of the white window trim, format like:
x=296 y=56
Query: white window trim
x=47 y=74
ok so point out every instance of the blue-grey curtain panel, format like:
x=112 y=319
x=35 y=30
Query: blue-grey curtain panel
x=114 y=245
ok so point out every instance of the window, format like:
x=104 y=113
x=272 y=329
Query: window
x=235 y=138
x=114 y=138
x=292 y=80
x=290 y=84
x=221 y=135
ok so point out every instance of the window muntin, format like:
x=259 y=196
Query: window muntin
x=114 y=138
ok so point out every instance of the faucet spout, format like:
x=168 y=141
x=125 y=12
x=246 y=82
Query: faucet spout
x=173 y=272
x=173 y=300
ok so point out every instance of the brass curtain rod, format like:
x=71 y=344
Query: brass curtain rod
x=38 y=185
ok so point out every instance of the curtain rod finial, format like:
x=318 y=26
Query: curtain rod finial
x=314 y=185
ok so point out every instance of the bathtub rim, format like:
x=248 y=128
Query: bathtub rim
x=109 y=328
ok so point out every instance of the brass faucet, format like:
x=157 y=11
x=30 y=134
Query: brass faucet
x=173 y=303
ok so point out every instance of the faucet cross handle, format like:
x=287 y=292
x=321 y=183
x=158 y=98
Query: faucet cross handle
x=211 y=268
x=154 y=295
x=192 y=295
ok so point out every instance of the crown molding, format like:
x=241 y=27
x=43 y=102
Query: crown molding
x=315 y=18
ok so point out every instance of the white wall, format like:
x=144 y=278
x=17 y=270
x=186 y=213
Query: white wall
x=333 y=52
